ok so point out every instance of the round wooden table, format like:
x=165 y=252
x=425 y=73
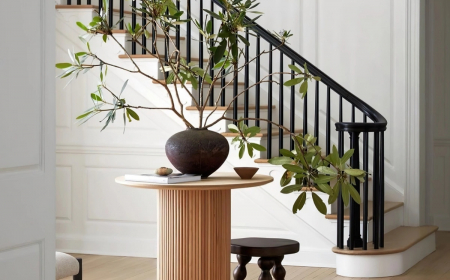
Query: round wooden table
x=194 y=226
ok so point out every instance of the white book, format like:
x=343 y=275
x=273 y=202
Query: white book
x=155 y=178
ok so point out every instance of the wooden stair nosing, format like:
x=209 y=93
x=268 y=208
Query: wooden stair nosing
x=124 y=56
x=395 y=241
x=388 y=206
x=188 y=82
x=223 y=108
x=263 y=133
x=123 y=31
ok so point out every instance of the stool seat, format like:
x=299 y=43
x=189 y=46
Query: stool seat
x=264 y=247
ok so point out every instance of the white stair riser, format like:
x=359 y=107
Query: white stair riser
x=384 y=265
x=392 y=220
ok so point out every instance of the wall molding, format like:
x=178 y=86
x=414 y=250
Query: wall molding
x=414 y=214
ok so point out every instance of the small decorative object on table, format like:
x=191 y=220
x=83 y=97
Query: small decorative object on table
x=246 y=172
x=164 y=171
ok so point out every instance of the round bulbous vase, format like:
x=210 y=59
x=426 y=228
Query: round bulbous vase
x=197 y=151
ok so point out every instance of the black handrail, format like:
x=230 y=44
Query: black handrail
x=380 y=123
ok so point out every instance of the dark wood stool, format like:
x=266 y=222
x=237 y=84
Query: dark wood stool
x=271 y=252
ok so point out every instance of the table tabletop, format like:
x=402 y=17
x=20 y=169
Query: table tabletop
x=217 y=181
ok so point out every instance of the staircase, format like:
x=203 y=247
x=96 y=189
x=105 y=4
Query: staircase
x=367 y=237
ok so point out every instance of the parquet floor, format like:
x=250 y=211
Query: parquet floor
x=95 y=267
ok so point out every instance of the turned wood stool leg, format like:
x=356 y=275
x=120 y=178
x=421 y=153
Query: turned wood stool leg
x=240 y=272
x=265 y=264
x=278 y=270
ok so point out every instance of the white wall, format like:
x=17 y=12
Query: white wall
x=438 y=92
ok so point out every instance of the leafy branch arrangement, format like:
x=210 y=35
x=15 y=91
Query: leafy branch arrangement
x=305 y=164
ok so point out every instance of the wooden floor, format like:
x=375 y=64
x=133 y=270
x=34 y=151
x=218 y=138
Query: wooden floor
x=434 y=266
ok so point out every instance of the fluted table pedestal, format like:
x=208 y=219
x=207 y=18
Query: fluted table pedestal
x=194 y=226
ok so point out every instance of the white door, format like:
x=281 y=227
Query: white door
x=27 y=164
x=438 y=40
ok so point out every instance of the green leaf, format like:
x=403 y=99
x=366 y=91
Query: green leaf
x=334 y=156
x=105 y=38
x=280 y=160
x=317 y=78
x=332 y=198
x=286 y=178
x=82 y=26
x=323 y=179
x=250 y=150
x=293 y=168
x=63 y=65
x=96 y=97
x=299 y=203
x=291 y=188
x=252 y=130
x=319 y=204
x=209 y=26
x=123 y=87
x=233 y=128
x=214 y=15
x=316 y=161
x=258 y=147
x=220 y=51
x=295 y=68
x=354 y=172
x=354 y=193
x=345 y=193
x=326 y=170
x=304 y=87
x=293 y=82
x=96 y=19
x=84 y=115
x=243 y=40
x=325 y=188
x=287 y=153
x=347 y=156
x=133 y=114
x=241 y=151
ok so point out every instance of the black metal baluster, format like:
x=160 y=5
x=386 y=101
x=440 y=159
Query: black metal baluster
x=281 y=104
x=382 y=189
x=340 y=202
x=341 y=134
x=258 y=78
x=100 y=5
x=222 y=83
x=355 y=240
x=153 y=39
x=88 y=2
x=178 y=32
x=211 y=71
x=78 y=2
x=353 y=113
x=111 y=13
x=200 y=52
x=246 y=78
x=292 y=110
x=269 y=104
x=316 y=114
x=365 y=186
x=188 y=32
x=133 y=24
x=144 y=38
x=121 y=14
x=328 y=128
x=69 y=2
x=376 y=193
x=166 y=45
x=235 y=98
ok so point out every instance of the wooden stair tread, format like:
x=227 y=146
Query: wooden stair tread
x=223 y=108
x=123 y=31
x=395 y=241
x=263 y=133
x=188 y=82
x=75 y=7
x=388 y=206
x=124 y=56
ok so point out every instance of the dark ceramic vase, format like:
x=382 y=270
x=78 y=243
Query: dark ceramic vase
x=197 y=151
